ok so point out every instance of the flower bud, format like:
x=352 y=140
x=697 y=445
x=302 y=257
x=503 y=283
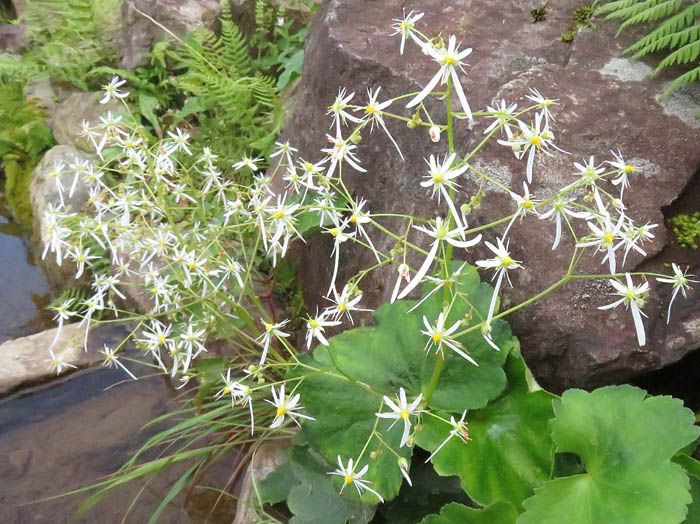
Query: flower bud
x=435 y=133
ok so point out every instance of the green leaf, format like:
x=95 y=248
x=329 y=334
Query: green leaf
x=511 y=451
x=291 y=69
x=313 y=499
x=693 y=515
x=193 y=105
x=170 y=495
x=499 y=513
x=626 y=442
x=344 y=385
x=277 y=485
x=147 y=106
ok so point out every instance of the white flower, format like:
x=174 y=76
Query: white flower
x=502 y=262
x=526 y=204
x=634 y=298
x=559 y=211
x=283 y=148
x=286 y=407
x=351 y=477
x=373 y=113
x=179 y=141
x=459 y=428
x=344 y=303
x=603 y=238
x=589 y=173
x=680 y=282
x=57 y=363
x=338 y=110
x=111 y=90
x=271 y=330
x=450 y=59
x=623 y=169
x=315 y=327
x=404 y=27
x=542 y=103
x=438 y=336
x=339 y=236
x=439 y=232
x=502 y=115
x=111 y=360
x=441 y=178
x=401 y=411
x=535 y=138
x=342 y=151
x=246 y=161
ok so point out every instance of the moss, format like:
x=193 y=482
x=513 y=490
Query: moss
x=581 y=17
x=686 y=228
x=18 y=176
x=538 y=14
x=288 y=288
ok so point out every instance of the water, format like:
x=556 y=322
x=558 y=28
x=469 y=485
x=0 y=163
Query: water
x=24 y=291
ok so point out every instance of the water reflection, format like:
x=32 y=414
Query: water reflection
x=24 y=291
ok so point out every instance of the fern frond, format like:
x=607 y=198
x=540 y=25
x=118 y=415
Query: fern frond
x=686 y=54
x=691 y=76
x=627 y=8
x=652 y=13
x=235 y=54
x=663 y=36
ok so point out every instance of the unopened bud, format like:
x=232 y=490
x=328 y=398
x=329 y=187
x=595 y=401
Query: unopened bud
x=435 y=133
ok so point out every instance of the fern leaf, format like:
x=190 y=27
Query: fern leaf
x=656 y=12
x=657 y=39
x=614 y=6
x=685 y=55
x=691 y=76
x=631 y=9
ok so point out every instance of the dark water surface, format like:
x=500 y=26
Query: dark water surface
x=24 y=292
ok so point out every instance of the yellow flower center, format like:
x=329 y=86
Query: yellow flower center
x=161 y=340
x=342 y=308
x=631 y=294
x=191 y=266
x=405 y=414
x=536 y=141
x=449 y=60
x=279 y=214
x=348 y=479
x=437 y=177
x=437 y=337
x=527 y=204
x=281 y=411
x=227 y=390
x=370 y=109
x=312 y=323
x=353 y=219
x=507 y=261
x=608 y=238
x=629 y=168
x=334 y=232
x=268 y=326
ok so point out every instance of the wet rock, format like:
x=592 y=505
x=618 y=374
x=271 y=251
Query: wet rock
x=139 y=33
x=27 y=360
x=76 y=108
x=44 y=194
x=19 y=458
x=13 y=38
x=606 y=103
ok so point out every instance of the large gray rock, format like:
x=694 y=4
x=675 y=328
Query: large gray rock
x=243 y=14
x=606 y=103
x=76 y=108
x=43 y=193
x=142 y=20
x=13 y=38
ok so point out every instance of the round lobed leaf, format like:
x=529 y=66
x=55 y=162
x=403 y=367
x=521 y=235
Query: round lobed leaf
x=626 y=442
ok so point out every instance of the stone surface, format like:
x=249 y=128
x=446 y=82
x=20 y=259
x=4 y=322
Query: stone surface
x=605 y=103
x=27 y=360
x=76 y=108
x=13 y=38
x=142 y=21
x=44 y=192
x=45 y=96
x=267 y=459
